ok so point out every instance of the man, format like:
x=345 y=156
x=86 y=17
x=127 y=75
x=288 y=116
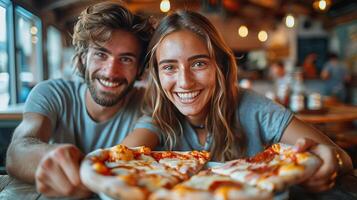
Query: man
x=336 y=75
x=63 y=120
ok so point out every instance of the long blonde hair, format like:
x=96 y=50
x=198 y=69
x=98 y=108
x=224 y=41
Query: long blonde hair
x=228 y=139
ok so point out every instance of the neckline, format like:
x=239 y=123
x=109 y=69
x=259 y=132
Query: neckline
x=201 y=126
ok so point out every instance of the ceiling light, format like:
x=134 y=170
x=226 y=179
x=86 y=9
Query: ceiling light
x=33 y=30
x=289 y=21
x=262 y=36
x=321 y=5
x=243 y=31
x=34 y=39
x=165 y=6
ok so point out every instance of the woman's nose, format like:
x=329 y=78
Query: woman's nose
x=185 y=79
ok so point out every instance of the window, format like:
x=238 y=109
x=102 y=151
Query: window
x=4 y=69
x=28 y=51
x=54 y=52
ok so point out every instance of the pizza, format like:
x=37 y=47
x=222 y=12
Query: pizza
x=274 y=169
x=139 y=173
x=210 y=186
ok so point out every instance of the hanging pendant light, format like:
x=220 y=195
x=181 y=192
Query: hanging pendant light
x=165 y=6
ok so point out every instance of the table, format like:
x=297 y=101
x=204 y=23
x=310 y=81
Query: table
x=13 y=112
x=334 y=114
x=336 y=123
x=345 y=189
x=13 y=189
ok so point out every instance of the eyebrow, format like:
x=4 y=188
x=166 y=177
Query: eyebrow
x=198 y=56
x=190 y=58
x=107 y=51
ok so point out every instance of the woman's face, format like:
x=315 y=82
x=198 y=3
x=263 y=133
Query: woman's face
x=187 y=73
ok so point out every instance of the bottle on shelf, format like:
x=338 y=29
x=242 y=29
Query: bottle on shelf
x=297 y=98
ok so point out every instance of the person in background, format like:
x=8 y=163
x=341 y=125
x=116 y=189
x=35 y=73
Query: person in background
x=309 y=66
x=195 y=104
x=335 y=75
x=277 y=73
x=63 y=120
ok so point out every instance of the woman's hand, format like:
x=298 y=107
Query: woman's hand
x=325 y=176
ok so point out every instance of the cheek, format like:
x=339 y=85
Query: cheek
x=166 y=82
x=133 y=73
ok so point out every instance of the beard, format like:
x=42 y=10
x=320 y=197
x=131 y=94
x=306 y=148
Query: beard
x=105 y=98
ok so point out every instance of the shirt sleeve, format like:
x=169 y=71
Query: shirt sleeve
x=268 y=118
x=43 y=100
x=147 y=122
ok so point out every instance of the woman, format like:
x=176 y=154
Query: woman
x=195 y=103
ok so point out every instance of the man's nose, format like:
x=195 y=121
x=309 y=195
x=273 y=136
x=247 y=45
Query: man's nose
x=112 y=66
x=185 y=79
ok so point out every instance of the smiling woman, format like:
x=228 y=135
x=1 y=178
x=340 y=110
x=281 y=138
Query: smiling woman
x=194 y=82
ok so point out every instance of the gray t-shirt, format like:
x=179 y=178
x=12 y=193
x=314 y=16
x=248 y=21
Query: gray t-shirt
x=262 y=121
x=63 y=102
x=337 y=75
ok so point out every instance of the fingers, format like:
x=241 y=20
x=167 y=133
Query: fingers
x=329 y=162
x=304 y=144
x=320 y=188
x=55 y=182
x=321 y=185
x=69 y=159
x=325 y=177
x=58 y=173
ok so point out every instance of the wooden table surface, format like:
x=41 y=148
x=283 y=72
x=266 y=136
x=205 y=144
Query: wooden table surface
x=345 y=189
x=334 y=114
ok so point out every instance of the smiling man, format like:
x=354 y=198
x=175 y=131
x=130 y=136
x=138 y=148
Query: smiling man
x=63 y=120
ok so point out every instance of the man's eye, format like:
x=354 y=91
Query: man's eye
x=100 y=54
x=126 y=60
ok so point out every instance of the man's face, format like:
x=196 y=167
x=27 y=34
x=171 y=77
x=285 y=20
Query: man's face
x=111 y=69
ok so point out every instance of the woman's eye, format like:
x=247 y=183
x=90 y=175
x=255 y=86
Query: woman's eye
x=199 y=64
x=167 y=67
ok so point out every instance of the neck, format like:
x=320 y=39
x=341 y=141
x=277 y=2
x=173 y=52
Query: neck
x=100 y=113
x=197 y=122
x=200 y=126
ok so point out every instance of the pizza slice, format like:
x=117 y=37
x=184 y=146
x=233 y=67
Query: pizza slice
x=189 y=162
x=274 y=169
x=209 y=186
x=134 y=173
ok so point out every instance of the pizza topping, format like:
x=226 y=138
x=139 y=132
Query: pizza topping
x=121 y=152
x=224 y=184
x=265 y=156
x=101 y=168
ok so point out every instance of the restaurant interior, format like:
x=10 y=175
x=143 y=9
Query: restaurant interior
x=281 y=47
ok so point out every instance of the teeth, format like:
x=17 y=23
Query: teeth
x=108 y=83
x=187 y=95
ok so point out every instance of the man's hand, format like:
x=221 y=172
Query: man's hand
x=58 y=173
x=325 y=176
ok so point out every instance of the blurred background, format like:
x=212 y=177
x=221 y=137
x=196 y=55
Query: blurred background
x=282 y=47
x=35 y=37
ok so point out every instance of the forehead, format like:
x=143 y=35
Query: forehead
x=122 y=41
x=181 y=44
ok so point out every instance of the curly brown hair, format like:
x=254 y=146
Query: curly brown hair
x=97 y=22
